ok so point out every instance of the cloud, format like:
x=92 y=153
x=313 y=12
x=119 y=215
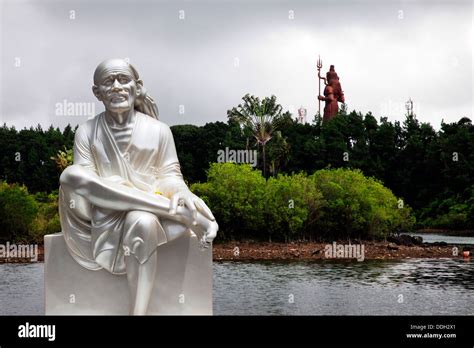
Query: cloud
x=204 y=63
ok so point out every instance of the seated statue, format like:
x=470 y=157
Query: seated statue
x=124 y=185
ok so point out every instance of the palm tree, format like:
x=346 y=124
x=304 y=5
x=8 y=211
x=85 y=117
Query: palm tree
x=263 y=117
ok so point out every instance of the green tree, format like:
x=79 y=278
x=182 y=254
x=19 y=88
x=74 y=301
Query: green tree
x=46 y=220
x=278 y=153
x=189 y=146
x=17 y=211
x=25 y=156
x=263 y=117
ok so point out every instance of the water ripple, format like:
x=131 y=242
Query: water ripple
x=372 y=287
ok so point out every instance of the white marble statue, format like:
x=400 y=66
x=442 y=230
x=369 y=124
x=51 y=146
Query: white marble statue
x=125 y=184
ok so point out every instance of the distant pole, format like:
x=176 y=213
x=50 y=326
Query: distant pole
x=319 y=64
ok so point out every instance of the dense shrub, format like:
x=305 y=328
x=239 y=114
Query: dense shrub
x=25 y=217
x=290 y=200
x=340 y=203
x=47 y=218
x=235 y=194
x=356 y=206
x=17 y=211
x=455 y=212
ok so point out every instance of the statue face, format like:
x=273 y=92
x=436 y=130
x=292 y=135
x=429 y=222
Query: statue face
x=117 y=88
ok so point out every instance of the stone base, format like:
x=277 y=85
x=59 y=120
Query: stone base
x=183 y=284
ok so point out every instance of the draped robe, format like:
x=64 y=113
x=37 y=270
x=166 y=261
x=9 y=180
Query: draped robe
x=94 y=235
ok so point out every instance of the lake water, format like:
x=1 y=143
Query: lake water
x=434 y=237
x=408 y=287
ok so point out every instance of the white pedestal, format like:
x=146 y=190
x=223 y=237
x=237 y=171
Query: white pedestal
x=183 y=283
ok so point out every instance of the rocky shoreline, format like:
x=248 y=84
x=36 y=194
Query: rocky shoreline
x=307 y=251
x=392 y=249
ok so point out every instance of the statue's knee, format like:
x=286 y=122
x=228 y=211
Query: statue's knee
x=142 y=232
x=144 y=222
x=71 y=176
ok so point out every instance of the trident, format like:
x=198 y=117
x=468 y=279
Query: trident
x=319 y=64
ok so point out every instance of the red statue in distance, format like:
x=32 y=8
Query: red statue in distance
x=332 y=92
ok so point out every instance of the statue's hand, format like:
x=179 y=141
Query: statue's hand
x=211 y=231
x=193 y=202
x=321 y=98
x=204 y=223
x=206 y=231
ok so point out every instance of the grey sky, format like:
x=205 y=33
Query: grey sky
x=384 y=53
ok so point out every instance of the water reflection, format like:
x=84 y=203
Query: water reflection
x=372 y=287
x=418 y=286
x=22 y=289
x=435 y=237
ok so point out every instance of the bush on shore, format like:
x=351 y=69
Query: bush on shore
x=453 y=213
x=356 y=206
x=235 y=196
x=47 y=218
x=17 y=210
x=327 y=205
x=26 y=218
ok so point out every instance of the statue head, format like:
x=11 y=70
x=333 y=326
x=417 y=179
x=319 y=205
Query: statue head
x=331 y=75
x=333 y=82
x=118 y=85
